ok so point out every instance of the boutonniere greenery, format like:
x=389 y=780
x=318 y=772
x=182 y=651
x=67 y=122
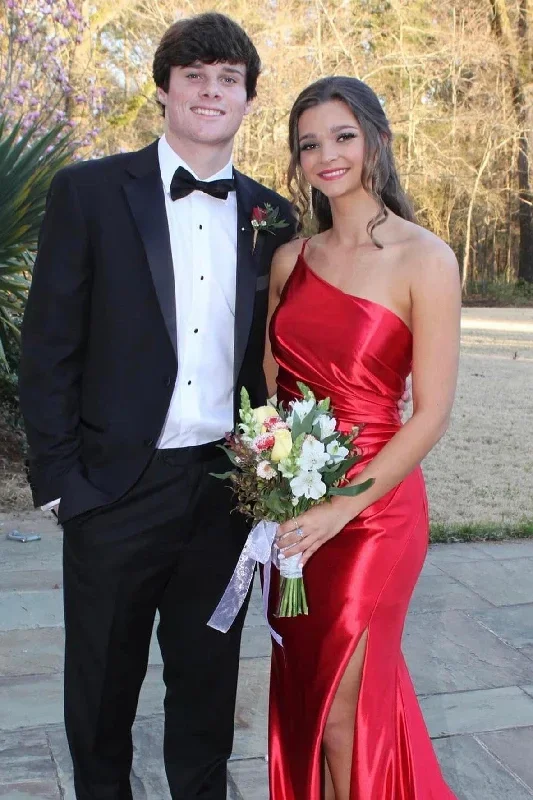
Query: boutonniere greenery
x=266 y=219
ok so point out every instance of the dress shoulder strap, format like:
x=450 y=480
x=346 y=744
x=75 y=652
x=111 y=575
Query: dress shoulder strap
x=304 y=245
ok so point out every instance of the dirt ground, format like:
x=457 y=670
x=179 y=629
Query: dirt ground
x=482 y=470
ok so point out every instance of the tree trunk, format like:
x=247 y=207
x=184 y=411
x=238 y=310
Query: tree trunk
x=518 y=64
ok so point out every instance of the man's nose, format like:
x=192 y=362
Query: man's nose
x=211 y=89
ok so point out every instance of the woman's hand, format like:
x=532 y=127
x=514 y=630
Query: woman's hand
x=406 y=397
x=310 y=530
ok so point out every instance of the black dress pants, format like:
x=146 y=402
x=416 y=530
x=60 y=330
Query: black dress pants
x=170 y=544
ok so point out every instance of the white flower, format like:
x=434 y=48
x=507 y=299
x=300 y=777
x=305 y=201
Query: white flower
x=301 y=409
x=313 y=455
x=327 y=425
x=265 y=470
x=336 y=452
x=308 y=484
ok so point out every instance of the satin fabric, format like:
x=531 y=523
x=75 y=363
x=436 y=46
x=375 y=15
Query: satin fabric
x=358 y=353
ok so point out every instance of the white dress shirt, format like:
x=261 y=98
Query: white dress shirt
x=203 y=240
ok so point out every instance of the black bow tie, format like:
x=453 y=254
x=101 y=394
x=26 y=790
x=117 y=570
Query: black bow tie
x=183 y=183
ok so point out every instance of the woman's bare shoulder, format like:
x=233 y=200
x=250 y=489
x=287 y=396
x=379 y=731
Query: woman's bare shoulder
x=425 y=251
x=433 y=268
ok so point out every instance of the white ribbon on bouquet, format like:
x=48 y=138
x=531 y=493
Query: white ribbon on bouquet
x=259 y=549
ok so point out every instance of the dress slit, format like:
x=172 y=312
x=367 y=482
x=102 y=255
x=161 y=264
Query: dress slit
x=328 y=704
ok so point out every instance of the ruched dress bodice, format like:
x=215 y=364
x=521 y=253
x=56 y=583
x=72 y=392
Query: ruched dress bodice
x=350 y=349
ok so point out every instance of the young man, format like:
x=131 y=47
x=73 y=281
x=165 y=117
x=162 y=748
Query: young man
x=146 y=316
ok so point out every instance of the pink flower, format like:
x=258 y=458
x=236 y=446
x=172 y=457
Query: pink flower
x=279 y=425
x=270 y=423
x=265 y=471
x=264 y=442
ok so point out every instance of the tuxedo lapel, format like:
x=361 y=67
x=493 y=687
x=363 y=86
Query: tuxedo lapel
x=144 y=191
x=248 y=260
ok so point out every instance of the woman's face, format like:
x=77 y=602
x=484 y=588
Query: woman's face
x=332 y=148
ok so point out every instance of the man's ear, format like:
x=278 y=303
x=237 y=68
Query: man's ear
x=161 y=96
x=248 y=108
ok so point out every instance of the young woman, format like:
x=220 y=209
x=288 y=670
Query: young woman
x=353 y=310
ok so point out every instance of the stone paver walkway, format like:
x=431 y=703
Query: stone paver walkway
x=468 y=643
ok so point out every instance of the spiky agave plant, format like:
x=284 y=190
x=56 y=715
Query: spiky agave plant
x=28 y=161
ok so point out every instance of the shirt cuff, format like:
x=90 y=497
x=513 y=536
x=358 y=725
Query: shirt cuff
x=50 y=506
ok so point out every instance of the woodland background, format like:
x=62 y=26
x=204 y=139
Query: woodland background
x=455 y=78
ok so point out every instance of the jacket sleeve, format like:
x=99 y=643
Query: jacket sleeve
x=54 y=336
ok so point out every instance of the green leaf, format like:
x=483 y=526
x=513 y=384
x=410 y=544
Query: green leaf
x=316 y=429
x=303 y=426
x=352 y=491
x=230 y=454
x=274 y=502
x=335 y=473
x=223 y=475
x=307 y=394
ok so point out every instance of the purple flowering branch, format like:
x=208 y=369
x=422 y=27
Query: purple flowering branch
x=38 y=39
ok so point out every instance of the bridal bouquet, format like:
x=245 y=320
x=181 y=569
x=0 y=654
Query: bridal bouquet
x=285 y=460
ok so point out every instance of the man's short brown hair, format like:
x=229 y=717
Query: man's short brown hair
x=209 y=38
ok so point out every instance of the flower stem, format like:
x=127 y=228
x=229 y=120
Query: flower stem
x=292 y=598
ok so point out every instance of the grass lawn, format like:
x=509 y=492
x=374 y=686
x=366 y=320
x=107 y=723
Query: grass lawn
x=480 y=475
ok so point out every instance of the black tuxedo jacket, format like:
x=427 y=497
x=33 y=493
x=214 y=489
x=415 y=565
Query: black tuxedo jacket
x=99 y=343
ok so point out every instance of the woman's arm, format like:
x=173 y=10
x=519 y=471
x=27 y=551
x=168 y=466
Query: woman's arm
x=282 y=266
x=436 y=309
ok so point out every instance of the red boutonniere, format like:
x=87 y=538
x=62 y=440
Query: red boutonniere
x=266 y=220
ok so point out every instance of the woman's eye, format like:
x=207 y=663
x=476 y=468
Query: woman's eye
x=343 y=137
x=309 y=146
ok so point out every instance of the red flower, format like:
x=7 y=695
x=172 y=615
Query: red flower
x=259 y=214
x=263 y=442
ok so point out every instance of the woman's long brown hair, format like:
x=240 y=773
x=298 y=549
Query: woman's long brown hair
x=379 y=177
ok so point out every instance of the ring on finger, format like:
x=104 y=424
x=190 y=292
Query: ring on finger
x=299 y=532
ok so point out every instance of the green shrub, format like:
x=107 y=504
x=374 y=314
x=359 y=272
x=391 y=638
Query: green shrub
x=28 y=161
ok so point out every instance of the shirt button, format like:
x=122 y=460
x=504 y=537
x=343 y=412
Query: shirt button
x=189 y=383
x=201 y=227
x=196 y=330
x=201 y=277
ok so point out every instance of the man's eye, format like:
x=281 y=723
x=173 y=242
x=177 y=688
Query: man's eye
x=193 y=75
x=230 y=80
